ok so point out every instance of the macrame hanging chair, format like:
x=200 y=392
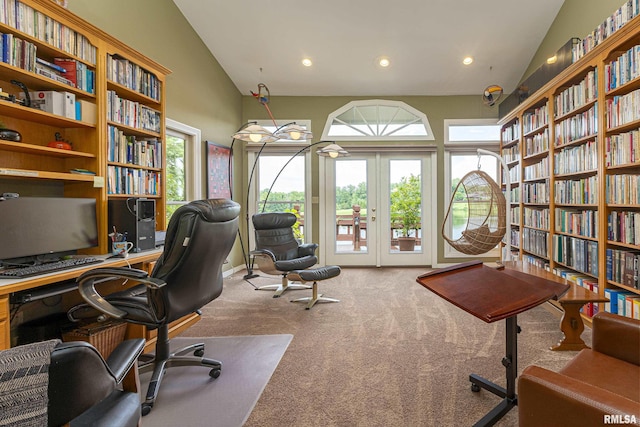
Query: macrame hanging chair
x=486 y=217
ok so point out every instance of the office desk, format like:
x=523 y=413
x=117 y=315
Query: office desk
x=492 y=295
x=142 y=260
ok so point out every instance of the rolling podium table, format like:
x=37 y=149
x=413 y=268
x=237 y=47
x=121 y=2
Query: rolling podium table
x=491 y=295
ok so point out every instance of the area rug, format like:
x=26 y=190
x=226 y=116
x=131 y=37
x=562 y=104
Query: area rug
x=190 y=398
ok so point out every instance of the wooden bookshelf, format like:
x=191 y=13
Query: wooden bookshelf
x=138 y=85
x=579 y=123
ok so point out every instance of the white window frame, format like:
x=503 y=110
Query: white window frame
x=378 y=102
x=465 y=148
x=193 y=157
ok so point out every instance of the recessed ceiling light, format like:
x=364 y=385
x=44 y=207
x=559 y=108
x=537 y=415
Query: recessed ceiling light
x=384 y=62
x=307 y=62
x=467 y=60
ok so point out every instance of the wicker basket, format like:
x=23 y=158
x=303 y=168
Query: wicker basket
x=105 y=336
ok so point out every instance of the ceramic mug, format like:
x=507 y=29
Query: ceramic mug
x=121 y=248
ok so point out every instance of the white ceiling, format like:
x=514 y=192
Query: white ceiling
x=264 y=41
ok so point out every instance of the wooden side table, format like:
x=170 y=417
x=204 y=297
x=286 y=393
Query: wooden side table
x=492 y=295
x=571 y=302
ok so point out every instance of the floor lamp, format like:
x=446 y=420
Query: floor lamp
x=254 y=133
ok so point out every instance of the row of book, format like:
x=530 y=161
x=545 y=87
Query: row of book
x=535 y=241
x=511 y=154
x=582 y=280
x=622 y=266
x=577 y=95
x=515 y=196
x=613 y=23
x=536 y=192
x=577 y=127
x=132 y=76
x=515 y=238
x=580 y=222
x=576 y=158
x=537 y=170
x=24 y=18
x=623 y=148
x=576 y=253
x=623 y=109
x=17 y=52
x=514 y=174
x=624 y=227
x=511 y=133
x=622 y=70
x=622 y=302
x=538 y=218
x=121 y=180
x=534 y=260
x=623 y=189
x=583 y=191
x=131 y=113
x=535 y=119
x=128 y=149
x=536 y=143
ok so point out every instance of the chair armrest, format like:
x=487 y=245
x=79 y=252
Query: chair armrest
x=617 y=336
x=124 y=357
x=88 y=280
x=265 y=253
x=307 y=249
x=547 y=398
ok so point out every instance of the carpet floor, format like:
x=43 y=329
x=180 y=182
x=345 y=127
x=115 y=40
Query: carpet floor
x=189 y=397
x=390 y=353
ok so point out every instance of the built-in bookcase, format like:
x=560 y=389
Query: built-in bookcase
x=573 y=149
x=117 y=128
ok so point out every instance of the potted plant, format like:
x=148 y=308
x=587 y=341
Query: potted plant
x=405 y=210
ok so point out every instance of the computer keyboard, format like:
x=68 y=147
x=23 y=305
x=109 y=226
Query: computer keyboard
x=34 y=270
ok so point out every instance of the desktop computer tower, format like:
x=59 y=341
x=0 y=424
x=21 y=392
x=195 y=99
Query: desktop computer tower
x=137 y=218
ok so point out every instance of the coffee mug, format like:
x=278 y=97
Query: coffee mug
x=121 y=248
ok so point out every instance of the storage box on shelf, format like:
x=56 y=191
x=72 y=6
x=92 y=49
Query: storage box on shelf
x=590 y=197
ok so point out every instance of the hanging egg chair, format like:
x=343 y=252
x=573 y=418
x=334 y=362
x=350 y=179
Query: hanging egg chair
x=486 y=214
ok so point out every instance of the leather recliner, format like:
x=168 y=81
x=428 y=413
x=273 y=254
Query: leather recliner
x=278 y=252
x=598 y=384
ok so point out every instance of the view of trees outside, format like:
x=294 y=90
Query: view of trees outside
x=176 y=177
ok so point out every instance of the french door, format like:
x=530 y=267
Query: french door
x=371 y=201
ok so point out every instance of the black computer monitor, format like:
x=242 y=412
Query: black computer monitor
x=35 y=226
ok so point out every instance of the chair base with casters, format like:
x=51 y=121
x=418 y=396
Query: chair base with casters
x=315 y=275
x=164 y=359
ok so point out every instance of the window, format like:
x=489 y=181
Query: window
x=183 y=152
x=462 y=140
x=377 y=120
x=282 y=178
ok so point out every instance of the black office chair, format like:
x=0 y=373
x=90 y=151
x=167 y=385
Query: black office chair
x=80 y=389
x=187 y=276
x=278 y=252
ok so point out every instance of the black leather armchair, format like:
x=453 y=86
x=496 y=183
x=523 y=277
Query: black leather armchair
x=81 y=389
x=278 y=252
x=187 y=276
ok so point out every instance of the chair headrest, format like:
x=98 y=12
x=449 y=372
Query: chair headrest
x=216 y=210
x=268 y=221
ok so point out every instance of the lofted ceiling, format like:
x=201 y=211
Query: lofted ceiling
x=425 y=40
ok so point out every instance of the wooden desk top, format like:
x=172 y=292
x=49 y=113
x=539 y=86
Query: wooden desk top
x=8 y=286
x=576 y=294
x=487 y=293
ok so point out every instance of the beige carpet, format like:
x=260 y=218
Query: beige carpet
x=391 y=353
x=190 y=398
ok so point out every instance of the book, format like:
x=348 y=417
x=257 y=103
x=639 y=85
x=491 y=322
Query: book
x=51 y=65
